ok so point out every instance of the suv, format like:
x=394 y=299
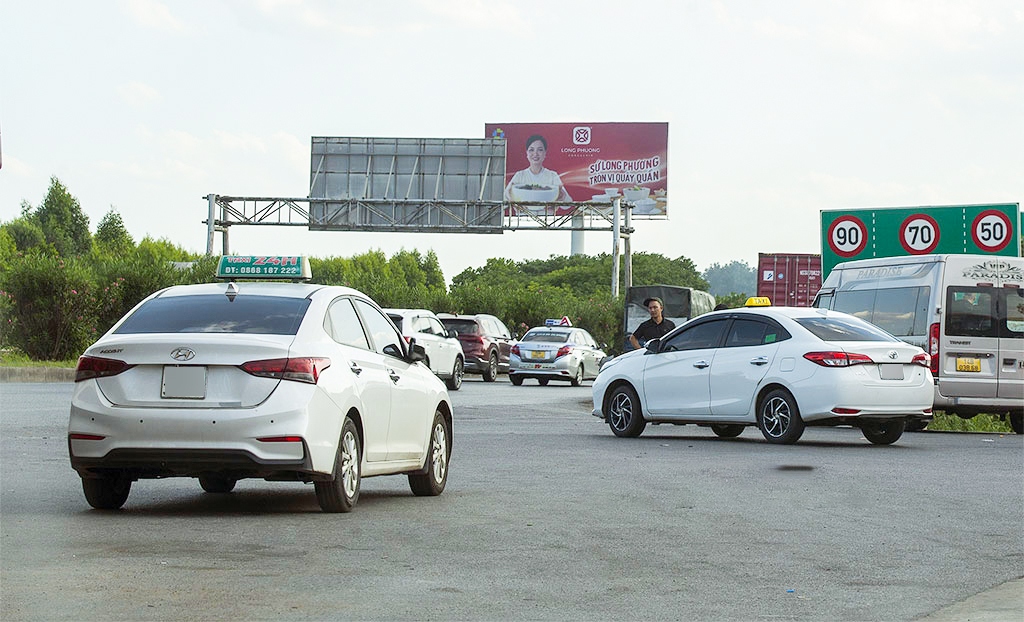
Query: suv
x=444 y=351
x=486 y=342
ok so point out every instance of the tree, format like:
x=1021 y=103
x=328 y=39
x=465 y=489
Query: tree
x=25 y=233
x=735 y=277
x=63 y=222
x=111 y=234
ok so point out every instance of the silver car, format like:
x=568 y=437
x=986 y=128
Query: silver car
x=555 y=353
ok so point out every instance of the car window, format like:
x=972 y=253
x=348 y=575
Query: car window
x=381 y=331
x=745 y=332
x=703 y=335
x=843 y=329
x=216 y=313
x=463 y=327
x=900 y=311
x=503 y=330
x=343 y=325
x=1013 y=322
x=397 y=319
x=970 y=312
x=433 y=326
x=546 y=336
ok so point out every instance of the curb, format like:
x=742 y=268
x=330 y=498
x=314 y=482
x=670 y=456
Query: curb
x=37 y=374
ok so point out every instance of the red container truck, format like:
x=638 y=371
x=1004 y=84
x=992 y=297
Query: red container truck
x=788 y=279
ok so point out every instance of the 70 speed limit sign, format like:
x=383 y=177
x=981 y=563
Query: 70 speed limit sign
x=919 y=234
x=992 y=230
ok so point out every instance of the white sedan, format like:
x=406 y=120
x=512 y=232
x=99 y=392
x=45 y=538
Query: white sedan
x=778 y=368
x=279 y=381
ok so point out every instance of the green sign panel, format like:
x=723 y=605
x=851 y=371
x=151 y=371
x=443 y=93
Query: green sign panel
x=262 y=267
x=847 y=235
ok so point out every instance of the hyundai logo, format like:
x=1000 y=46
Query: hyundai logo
x=893 y=354
x=183 y=354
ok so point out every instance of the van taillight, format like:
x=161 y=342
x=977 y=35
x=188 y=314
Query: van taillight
x=933 y=347
x=96 y=367
x=305 y=369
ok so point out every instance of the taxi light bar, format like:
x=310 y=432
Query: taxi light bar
x=837 y=359
x=292 y=267
x=90 y=367
x=305 y=369
x=758 y=301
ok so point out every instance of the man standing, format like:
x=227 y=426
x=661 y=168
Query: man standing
x=653 y=328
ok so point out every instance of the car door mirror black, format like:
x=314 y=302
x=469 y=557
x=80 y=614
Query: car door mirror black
x=453 y=334
x=653 y=345
x=393 y=350
x=416 y=353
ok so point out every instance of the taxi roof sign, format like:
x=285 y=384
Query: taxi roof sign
x=264 y=267
x=564 y=321
x=758 y=301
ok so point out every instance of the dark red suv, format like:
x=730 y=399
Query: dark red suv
x=486 y=342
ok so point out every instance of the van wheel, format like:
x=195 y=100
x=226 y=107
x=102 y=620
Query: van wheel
x=884 y=433
x=779 y=418
x=1016 y=422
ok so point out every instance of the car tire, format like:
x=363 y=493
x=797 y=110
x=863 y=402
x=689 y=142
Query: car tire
x=340 y=493
x=779 y=418
x=217 y=483
x=542 y=382
x=491 y=371
x=458 y=371
x=1017 y=422
x=916 y=425
x=624 y=414
x=577 y=379
x=727 y=430
x=516 y=380
x=439 y=451
x=108 y=492
x=884 y=433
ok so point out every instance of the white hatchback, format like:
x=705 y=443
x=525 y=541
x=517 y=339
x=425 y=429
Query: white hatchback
x=778 y=368
x=279 y=381
x=442 y=346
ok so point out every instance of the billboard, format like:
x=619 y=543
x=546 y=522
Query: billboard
x=578 y=162
x=846 y=235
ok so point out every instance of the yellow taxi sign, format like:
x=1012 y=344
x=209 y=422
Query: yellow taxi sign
x=758 y=301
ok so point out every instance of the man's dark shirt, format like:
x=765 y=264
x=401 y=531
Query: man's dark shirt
x=649 y=330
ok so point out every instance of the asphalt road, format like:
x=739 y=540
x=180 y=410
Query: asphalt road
x=546 y=516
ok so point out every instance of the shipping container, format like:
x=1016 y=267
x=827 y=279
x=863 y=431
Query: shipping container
x=788 y=279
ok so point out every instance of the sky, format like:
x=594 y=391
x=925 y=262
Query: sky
x=776 y=110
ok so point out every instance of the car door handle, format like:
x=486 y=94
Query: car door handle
x=394 y=375
x=355 y=368
x=761 y=360
x=701 y=364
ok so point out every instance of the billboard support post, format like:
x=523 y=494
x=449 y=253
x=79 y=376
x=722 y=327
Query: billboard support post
x=616 y=232
x=211 y=200
x=628 y=252
x=576 y=246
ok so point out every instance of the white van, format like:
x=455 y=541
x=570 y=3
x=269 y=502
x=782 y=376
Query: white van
x=967 y=311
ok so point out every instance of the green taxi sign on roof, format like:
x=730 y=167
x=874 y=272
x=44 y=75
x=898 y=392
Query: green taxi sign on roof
x=263 y=267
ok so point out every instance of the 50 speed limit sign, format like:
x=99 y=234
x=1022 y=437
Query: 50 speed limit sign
x=992 y=230
x=847 y=236
x=919 y=234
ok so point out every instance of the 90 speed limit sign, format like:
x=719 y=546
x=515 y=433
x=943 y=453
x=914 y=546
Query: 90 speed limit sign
x=847 y=236
x=992 y=230
x=919 y=234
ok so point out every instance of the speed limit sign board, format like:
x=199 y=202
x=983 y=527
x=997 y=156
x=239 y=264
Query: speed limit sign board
x=847 y=235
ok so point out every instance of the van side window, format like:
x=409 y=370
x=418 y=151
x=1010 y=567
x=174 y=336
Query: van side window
x=900 y=311
x=970 y=312
x=1013 y=324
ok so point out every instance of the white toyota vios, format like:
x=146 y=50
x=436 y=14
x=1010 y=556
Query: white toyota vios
x=778 y=368
x=279 y=381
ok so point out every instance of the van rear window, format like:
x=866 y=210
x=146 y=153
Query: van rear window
x=900 y=311
x=215 y=313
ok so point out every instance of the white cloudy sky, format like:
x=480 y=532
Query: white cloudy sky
x=776 y=109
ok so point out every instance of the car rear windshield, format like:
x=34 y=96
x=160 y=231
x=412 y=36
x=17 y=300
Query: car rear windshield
x=547 y=337
x=464 y=327
x=215 y=313
x=397 y=319
x=843 y=329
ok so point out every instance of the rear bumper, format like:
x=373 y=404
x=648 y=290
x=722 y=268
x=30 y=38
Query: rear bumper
x=976 y=405
x=141 y=463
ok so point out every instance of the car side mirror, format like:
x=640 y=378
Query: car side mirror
x=653 y=345
x=416 y=353
x=452 y=333
x=393 y=350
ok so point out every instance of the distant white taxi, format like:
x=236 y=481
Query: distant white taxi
x=778 y=368
x=279 y=381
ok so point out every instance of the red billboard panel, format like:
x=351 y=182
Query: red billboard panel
x=549 y=162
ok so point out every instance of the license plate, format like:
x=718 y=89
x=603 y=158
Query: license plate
x=184 y=382
x=963 y=364
x=538 y=354
x=890 y=371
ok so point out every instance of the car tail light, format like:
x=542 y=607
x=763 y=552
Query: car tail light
x=305 y=369
x=95 y=367
x=77 y=436
x=515 y=350
x=837 y=359
x=564 y=350
x=923 y=360
x=280 y=439
x=933 y=347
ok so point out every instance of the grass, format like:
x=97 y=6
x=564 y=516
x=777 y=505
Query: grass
x=16 y=358
x=978 y=423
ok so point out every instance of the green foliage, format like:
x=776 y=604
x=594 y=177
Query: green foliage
x=111 y=235
x=406 y=280
x=63 y=222
x=731 y=301
x=164 y=250
x=978 y=423
x=25 y=233
x=8 y=248
x=735 y=277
